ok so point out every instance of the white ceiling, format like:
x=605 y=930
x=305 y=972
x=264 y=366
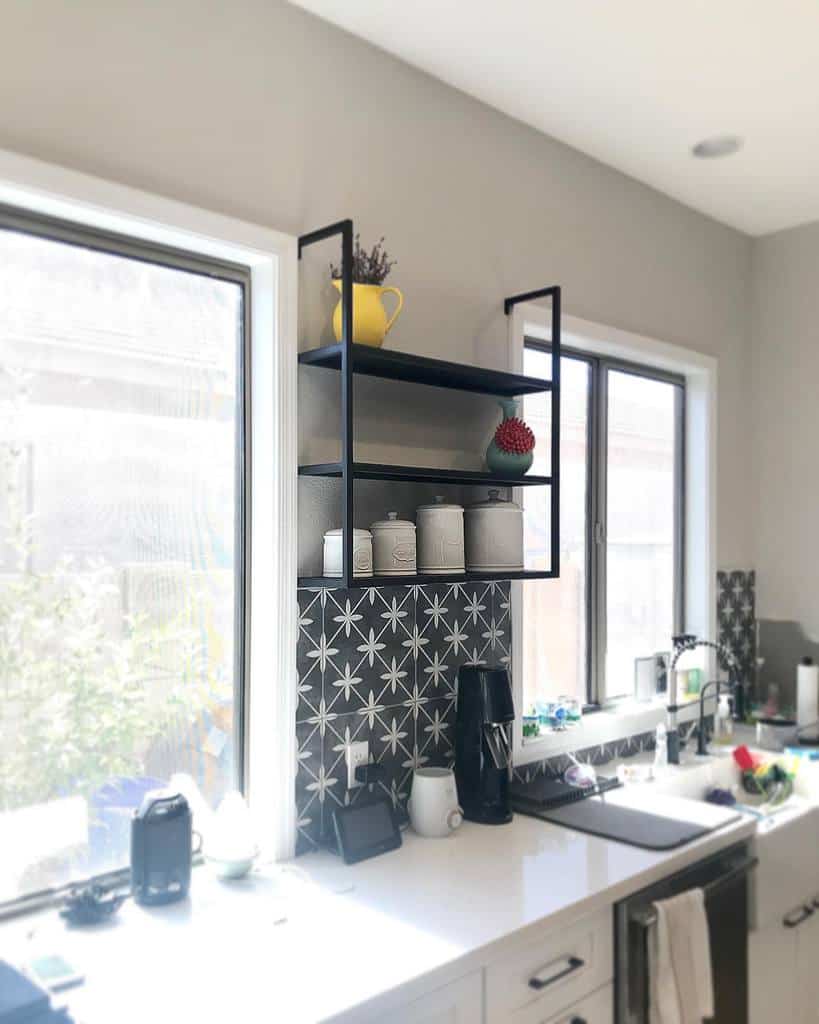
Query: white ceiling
x=635 y=83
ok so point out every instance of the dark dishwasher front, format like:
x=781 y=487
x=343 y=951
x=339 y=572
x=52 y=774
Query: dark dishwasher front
x=724 y=880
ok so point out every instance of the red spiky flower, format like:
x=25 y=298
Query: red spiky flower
x=514 y=436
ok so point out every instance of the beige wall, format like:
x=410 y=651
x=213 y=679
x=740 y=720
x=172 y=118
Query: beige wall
x=256 y=109
x=785 y=415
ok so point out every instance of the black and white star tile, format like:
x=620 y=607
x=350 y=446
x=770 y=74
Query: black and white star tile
x=381 y=665
x=599 y=755
x=736 y=617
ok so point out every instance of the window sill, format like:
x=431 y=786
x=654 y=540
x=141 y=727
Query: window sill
x=47 y=899
x=614 y=722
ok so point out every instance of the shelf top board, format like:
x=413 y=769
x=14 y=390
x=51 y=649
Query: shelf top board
x=416 y=474
x=439 y=373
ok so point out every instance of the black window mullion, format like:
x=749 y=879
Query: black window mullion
x=679 y=510
x=597 y=611
x=591 y=553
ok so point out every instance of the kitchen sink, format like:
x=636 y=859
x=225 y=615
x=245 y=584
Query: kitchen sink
x=787 y=836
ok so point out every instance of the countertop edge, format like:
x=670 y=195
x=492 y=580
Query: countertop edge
x=476 y=959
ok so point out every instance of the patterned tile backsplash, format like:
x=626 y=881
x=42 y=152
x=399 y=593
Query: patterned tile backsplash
x=599 y=755
x=736 y=617
x=381 y=665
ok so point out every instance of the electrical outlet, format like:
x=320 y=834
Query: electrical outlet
x=356 y=754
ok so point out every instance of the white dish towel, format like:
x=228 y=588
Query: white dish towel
x=682 y=989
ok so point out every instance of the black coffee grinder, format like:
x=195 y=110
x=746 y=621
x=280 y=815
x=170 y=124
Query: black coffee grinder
x=161 y=848
x=483 y=745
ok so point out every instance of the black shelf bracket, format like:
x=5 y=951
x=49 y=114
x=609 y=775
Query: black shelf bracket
x=344 y=228
x=552 y=293
x=322 y=234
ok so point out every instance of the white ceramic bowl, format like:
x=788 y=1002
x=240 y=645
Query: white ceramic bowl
x=231 y=867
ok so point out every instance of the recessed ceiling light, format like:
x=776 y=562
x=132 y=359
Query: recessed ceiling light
x=718 y=145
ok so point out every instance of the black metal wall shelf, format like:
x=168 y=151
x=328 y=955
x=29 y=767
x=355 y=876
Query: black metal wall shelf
x=349 y=359
x=421 y=579
x=414 y=474
x=439 y=373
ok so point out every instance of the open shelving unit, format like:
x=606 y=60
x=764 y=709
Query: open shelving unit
x=349 y=359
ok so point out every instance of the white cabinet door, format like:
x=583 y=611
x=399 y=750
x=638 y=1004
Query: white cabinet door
x=807 y=971
x=784 y=971
x=458 y=1003
x=772 y=974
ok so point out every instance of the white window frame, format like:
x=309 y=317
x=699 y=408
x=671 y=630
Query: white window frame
x=270 y=687
x=700 y=374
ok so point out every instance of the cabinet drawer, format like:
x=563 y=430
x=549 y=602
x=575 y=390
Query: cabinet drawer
x=552 y=972
x=598 y=1008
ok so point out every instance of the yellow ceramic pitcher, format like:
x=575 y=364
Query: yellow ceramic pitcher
x=370 y=323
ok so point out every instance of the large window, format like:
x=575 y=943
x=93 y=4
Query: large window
x=619 y=594
x=122 y=561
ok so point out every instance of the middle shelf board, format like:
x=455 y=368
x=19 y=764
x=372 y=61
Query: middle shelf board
x=415 y=474
x=439 y=373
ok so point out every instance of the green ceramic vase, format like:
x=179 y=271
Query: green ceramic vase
x=507 y=463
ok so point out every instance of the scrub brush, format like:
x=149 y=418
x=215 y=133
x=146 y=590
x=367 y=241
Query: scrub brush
x=744 y=758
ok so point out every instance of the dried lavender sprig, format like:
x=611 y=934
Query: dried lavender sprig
x=368 y=267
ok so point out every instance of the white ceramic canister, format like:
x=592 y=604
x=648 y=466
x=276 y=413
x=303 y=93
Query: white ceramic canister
x=433 y=803
x=494 y=535
x=362 y=553
x=440 y=537
x=394 y=546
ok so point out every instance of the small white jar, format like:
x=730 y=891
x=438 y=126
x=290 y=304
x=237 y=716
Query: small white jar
x=362 y=553
x=494 y=535
x=440 y=538
x=394 y=546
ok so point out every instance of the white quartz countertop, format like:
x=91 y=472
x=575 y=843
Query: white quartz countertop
x=313 y=940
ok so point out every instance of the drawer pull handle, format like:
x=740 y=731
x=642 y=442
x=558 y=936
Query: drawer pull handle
x=578 y=1020
x=797 y=917
x=566 y=966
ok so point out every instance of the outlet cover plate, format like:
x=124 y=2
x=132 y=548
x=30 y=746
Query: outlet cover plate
x=356 y=754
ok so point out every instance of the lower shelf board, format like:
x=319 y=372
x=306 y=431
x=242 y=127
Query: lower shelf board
x=422 y=579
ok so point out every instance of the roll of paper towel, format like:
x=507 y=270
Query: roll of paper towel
x=807 y=692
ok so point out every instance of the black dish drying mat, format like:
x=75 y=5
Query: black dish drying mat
x=555 y=801
x=624 y=824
